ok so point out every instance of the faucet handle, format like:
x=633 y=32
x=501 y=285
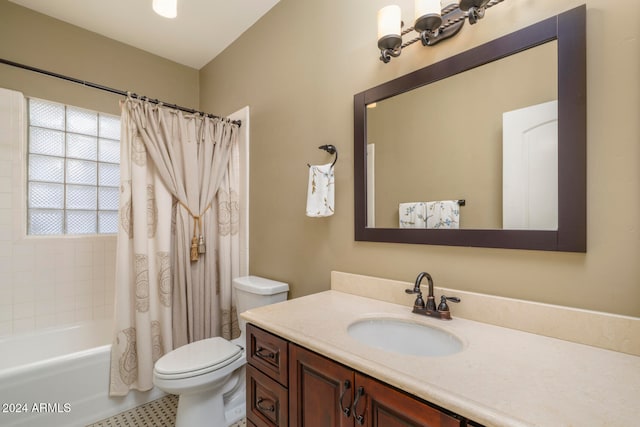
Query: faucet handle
x=443 y=302
x=419 y=302
x=443 y=308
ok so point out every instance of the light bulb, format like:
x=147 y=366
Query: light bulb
x=389 y=27
x=389 y=21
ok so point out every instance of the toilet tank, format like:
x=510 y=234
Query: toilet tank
x=254 y=291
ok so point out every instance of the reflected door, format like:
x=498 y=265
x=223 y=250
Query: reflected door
x=530 y=168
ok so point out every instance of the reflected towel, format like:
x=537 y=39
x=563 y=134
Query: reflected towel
x=413 y=215
x=320 y=193
x=443 y=214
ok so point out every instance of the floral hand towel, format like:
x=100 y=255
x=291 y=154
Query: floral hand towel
x=437 y=214
x=443 y=214
x=320 y=193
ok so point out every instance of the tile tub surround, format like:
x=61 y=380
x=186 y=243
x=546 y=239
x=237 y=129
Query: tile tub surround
x=45 y=281
x=604 y=330
x=503 y=377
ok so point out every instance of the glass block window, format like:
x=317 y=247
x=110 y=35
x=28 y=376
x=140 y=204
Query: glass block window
x=73 y=170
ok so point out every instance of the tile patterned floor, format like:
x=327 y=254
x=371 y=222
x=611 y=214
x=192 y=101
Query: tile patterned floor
x=158 y=413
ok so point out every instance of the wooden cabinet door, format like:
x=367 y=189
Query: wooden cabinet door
x=379 y=405
x=320 y=390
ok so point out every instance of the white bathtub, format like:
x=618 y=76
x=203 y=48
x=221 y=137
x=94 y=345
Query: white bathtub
x=60 y=377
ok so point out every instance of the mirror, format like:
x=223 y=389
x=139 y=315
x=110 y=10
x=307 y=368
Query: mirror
x=428 y=151
x=446 y=132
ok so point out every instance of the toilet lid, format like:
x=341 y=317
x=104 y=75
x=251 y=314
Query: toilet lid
x=198 y=357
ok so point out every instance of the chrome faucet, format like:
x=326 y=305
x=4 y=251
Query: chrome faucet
x=429 y=308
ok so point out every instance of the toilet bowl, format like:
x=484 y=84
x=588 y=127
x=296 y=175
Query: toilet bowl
x=209 y=375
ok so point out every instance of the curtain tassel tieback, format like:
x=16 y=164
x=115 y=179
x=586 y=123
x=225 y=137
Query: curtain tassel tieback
x=197 y=241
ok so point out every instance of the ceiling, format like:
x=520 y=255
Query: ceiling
x=202 y=30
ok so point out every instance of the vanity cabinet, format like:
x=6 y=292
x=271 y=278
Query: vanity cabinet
x=325 y=393
x=318 y=392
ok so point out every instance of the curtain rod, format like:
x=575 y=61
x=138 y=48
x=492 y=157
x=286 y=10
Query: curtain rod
x=109 y=89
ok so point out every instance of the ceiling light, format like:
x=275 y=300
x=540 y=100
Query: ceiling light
x=166 y=8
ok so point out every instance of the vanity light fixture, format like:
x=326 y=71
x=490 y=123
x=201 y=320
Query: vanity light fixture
x=166 y=8
x=435 y=20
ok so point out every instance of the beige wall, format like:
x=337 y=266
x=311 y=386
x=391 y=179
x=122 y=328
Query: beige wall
x=298 y=69
x=53 y=281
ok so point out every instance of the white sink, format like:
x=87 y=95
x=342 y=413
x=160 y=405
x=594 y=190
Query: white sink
x=404 y=337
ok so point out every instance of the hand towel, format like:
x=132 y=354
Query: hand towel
x=320 y=193
x=413 y=215
x=443 y=214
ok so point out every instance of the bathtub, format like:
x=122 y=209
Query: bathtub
x=60 y=377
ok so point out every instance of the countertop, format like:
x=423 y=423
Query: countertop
x=502 y=377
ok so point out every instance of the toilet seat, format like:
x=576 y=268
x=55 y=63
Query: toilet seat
x=197 y=358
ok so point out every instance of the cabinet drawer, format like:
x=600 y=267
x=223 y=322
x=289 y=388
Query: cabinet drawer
x=268 y=353
x=267 y=401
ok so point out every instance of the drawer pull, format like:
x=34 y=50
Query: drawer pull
x=271 y=408
x=359 y=418
x=265 y=354
x=345 y=410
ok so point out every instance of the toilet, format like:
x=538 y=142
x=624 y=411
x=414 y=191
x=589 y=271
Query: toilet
x=209 y=375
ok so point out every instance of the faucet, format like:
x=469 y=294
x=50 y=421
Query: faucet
x=429 y=308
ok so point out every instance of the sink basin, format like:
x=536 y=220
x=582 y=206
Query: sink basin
x=404 y=337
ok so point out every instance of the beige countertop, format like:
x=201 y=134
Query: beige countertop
x=502 y=377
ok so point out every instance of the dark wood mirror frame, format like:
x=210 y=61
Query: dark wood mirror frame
x=569 y=29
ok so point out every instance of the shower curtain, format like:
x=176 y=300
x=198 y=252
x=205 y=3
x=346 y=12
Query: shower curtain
x=178 y=247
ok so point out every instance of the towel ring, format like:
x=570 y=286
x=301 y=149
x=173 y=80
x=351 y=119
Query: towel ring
x=331 y=149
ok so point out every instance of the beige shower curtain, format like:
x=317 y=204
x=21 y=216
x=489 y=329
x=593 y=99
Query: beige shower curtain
x=179 y=181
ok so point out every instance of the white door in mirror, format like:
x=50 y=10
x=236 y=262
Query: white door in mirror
x=530 y=168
